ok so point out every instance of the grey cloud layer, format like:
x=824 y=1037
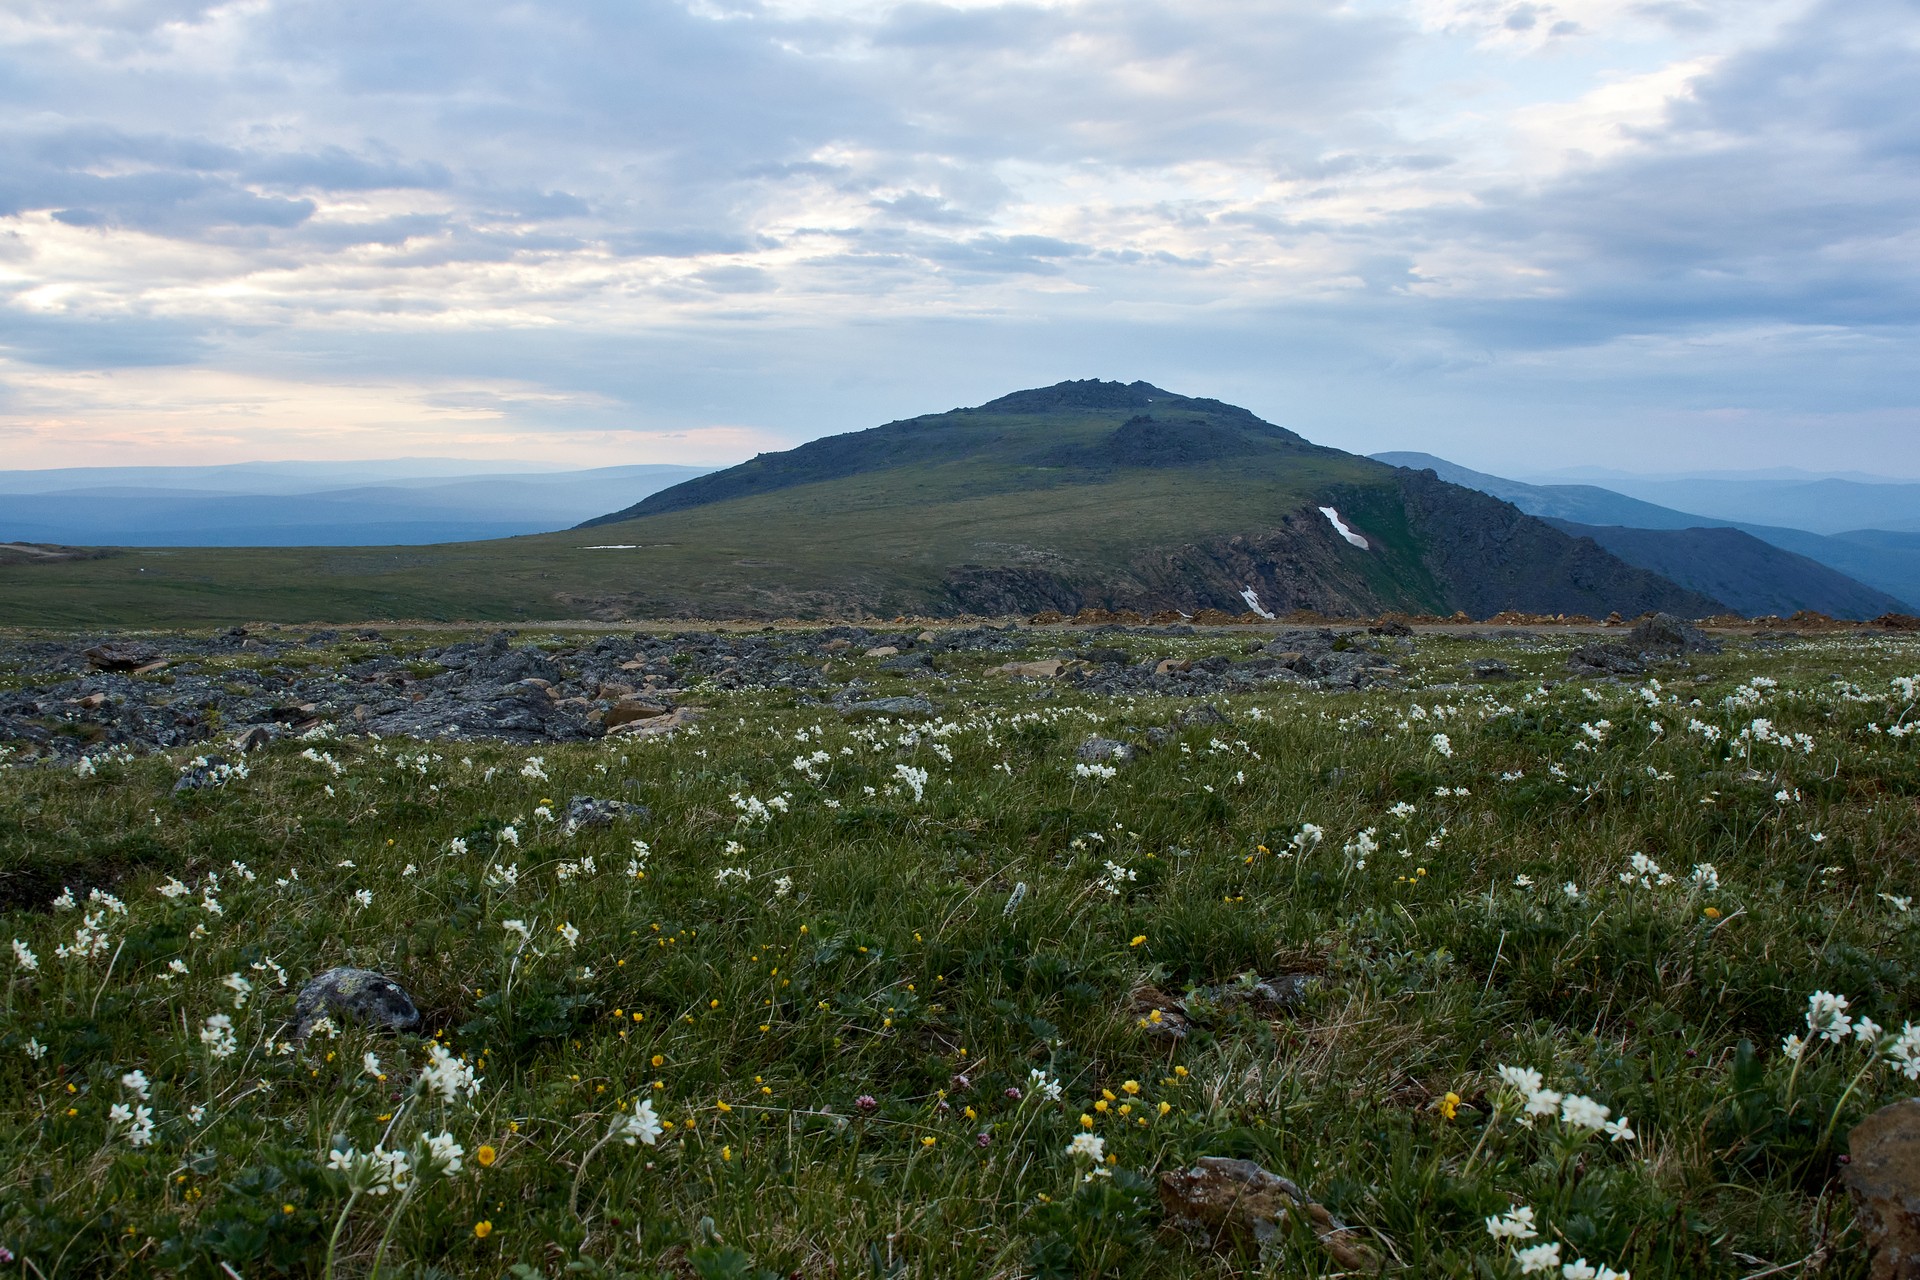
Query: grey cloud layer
x=1242 y=168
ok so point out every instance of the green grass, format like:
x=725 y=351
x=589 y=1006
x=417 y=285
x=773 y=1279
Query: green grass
x=869 y=955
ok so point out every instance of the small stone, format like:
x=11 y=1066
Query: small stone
x=255 y=739
x=354 y=995
x=1044 y=670
x=1237 y=1201
x=1884 y=1179
x=200 y=776
x=907 y=706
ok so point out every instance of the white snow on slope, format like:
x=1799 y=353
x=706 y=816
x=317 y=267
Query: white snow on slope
x=1253 y=602
x=1341 y=526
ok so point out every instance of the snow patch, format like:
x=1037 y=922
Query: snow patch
x=614 y=546
x=1253 y=602
x=1340 y=526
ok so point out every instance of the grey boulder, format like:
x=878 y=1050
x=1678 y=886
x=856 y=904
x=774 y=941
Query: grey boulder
x=354 y=995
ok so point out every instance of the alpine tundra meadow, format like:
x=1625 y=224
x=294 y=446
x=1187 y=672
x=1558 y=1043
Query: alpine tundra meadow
x=991 y=971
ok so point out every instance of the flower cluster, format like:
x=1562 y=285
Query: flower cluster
x=1576 y=1111
x=1517 y=1225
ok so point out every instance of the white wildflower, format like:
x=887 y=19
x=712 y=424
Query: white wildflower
x=1515 y=1224
x=217 y=1035
x=640 y=1126
x=1088 y=1146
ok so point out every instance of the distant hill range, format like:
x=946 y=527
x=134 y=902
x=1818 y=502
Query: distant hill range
x=1758 y=569
x=1084 y=494
x=402 y=502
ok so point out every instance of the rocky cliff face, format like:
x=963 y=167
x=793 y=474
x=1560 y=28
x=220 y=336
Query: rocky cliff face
x=1471 y=553
x=1487 y=555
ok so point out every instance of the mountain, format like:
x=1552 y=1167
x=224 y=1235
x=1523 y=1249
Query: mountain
x=1129 y=496
x=1756 y=569
x=1082 y=494
x=407 y=502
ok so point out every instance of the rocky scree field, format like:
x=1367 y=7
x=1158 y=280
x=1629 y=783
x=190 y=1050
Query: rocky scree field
x=1130 y=952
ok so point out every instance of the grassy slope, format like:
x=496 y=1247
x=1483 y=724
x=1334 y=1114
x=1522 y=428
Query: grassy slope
x=881 y=539
x=888 y=969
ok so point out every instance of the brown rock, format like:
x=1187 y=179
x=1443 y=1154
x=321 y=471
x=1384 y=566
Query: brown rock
x=631 y=710
x=1157 y=1013
x=675 y=719
x=1236 y=1202
x=613 y=690
x=1884 y=1179
x=1046 y=670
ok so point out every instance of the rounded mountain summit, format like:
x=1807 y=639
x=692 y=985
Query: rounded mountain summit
x=1098 y=494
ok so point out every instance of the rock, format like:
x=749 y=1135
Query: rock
x=585 y=811
x=354 y=995
x=678 y=718
x=1167 y=666
x=1664 y=633
x=915 y=705
x=1237 y=1201
x=208 y=771
x=839 y=644
x=882 y=651
x=1286 y=991
x=121 y=655
x=910 y=664
x=628 y=710
x=255 y=739
x=1107 y=657
x=1098 y=750
x=1205 y=713
x=1883 y=1176
x=1605 y=660
x=1157 y=1013
x=1490 y=669
x=1045 y=670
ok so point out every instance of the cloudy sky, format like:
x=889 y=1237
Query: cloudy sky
x=1524 y=234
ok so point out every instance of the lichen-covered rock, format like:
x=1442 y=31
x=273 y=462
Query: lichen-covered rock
x=1883 y=1176
x=586 y=811
x=1236 y=1201
x=1098 y=750
x=914 y=705
x=354 y=995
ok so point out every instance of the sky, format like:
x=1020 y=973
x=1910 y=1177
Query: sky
x=1522 y=234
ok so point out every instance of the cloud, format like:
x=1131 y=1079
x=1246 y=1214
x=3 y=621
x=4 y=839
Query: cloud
x=687 y=214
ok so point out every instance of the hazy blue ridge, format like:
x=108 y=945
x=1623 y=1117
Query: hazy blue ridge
x=1858 y=574
x=317 y=504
